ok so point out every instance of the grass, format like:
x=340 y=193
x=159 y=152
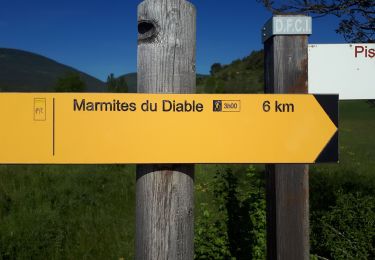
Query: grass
x=69 y=212
x=356 y=145
x=357 y=136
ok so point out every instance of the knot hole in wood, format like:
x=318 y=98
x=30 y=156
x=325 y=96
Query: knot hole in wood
x=147 y=30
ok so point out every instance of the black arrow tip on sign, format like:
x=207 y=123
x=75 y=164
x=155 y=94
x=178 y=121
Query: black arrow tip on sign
x=330 y=153
x=330 y=104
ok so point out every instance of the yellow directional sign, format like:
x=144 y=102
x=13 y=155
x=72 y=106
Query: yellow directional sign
x=93 y=128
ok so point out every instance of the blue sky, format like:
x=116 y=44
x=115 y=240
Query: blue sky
x=100 y=37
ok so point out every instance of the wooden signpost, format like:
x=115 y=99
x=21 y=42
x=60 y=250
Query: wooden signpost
x=287 y=184
x=165 y=193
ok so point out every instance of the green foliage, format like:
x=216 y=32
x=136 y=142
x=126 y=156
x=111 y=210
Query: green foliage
x=215 y=68
x=116 y=85
x=211 y=238
x=235 y=227
x=71 y=82
x=348 y=228
x=241 y=76
x=255 y=197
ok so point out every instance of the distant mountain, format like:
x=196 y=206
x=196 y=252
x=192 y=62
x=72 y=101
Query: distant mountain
x=22 y=71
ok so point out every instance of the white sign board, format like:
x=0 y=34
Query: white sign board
x=344 y=69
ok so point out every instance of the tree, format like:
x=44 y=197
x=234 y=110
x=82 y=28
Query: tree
x=357 y=17
x=215 y=68
x=116 y=85
x=70 y=82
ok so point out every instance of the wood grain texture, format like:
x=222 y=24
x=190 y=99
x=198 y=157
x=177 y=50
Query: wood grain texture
x=166 y=60
x=165 y=193
x=287 y=185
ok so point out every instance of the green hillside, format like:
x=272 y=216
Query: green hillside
x=241 y=76
x=22 y=71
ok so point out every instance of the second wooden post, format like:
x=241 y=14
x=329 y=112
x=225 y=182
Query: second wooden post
x=285 y=48
x=164 y=193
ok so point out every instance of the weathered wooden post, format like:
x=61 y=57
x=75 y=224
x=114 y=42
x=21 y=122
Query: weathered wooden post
x=285 y=47
x=164 y=193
